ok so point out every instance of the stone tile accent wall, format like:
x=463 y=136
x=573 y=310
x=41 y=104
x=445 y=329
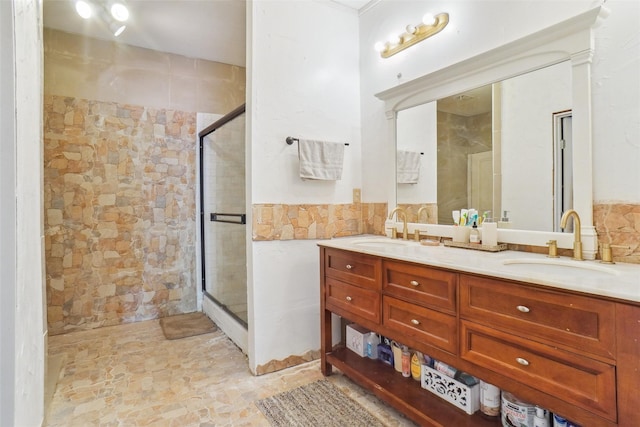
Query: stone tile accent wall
x=299 y=222
x=119 y=212
x=619 y=224
x=428 y=216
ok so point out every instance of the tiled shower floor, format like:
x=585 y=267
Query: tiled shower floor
x=130 y=375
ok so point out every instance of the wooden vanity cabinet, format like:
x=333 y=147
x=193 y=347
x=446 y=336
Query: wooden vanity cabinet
x=573 y=353
x=577 y=323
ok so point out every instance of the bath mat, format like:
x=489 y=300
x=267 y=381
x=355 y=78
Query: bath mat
x=316 y=404
x=186 y=325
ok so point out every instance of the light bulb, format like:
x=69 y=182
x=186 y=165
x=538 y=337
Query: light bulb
x=379 y=47
x=410 y=29
x=394 y=39
x=84 y=9
x=428 y=19
x=119 y=12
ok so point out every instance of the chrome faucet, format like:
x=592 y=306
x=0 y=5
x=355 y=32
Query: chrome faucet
x=405 y=229
x=577 y=243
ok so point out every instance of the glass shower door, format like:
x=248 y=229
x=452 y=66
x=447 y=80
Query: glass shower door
x=223 y=218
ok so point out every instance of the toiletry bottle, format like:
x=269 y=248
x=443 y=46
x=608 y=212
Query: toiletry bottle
x=541 y=418
x=489 y=400
x=442 y=367
x=559 y=421
x=406 y=362
x=416 y=367
x=474 y=236
x=489 y=232
x=372 y=345
x=504 y=221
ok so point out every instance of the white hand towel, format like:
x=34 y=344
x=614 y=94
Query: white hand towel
x=320 y=159
x=408 y=171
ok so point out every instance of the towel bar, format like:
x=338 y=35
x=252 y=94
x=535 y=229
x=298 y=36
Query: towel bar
x=290 y=140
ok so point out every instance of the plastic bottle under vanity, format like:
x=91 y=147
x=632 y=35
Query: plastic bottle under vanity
x=416 y=358
x=372 y=345
x=489 y=233
x=559 y=421
x=406 y=362
x=504 y=221
x=541 y=418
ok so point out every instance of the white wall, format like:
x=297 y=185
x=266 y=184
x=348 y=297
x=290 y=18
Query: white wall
x=615 y=84
x=7 y=215
x=302 y=82
x=475 y=27
x=23 y=321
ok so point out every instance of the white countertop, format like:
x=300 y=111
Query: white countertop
x=620 y=280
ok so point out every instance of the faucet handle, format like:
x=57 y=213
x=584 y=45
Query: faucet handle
x=606 y=254
x=394 y=233
x=553 y=248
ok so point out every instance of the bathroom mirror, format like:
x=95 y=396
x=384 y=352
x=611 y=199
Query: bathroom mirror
x=499 y=147
x=569 y=42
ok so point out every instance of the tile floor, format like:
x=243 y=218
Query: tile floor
x=130 y=375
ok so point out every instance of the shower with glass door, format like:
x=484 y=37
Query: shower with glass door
x=222 y=214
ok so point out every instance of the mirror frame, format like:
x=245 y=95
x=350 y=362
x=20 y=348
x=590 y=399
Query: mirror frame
x=569 y=40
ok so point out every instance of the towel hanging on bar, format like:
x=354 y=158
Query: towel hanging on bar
x=408 y=167
x=320 y=159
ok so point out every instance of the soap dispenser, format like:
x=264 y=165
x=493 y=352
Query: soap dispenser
x=504 y=221
x=474 y=236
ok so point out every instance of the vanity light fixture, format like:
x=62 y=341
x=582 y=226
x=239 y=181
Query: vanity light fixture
x=112 y=14
x=413 y=34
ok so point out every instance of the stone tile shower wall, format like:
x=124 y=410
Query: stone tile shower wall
x=119 y=212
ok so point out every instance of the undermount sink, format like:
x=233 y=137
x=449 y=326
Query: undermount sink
x=552 y=265
x=381 y=243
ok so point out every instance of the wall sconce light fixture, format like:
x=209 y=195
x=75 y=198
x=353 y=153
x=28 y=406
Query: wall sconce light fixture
x=430 y=25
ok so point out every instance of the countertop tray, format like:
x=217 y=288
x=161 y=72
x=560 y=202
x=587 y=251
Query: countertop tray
x=477 y=246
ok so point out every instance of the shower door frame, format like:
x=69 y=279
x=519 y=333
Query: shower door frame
x=201 y=135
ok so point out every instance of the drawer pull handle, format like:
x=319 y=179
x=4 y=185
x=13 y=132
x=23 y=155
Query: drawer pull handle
x=414 y=283
x=348 y=298
x=415 y=322
x=523 y=308
x=349 y=266
x=523 y=362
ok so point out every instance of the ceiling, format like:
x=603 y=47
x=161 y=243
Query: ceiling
x=207 y=29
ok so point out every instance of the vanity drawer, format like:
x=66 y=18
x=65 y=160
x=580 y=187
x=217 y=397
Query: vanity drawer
x=345 y=299
x=582 y=381
x=354 y=268
x=425 y=286
x=569 y=321
x=420 y=323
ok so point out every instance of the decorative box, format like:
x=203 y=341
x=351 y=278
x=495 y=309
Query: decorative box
x=357 y=339
x=458 y=394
